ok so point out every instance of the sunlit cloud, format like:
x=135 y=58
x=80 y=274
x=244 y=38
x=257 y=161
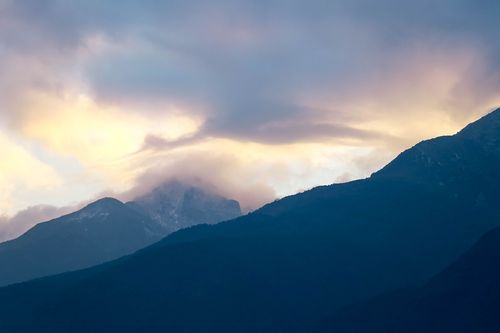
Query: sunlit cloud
x=76 y=125
x=21 y=172
x=255 y=173
x=100 y=137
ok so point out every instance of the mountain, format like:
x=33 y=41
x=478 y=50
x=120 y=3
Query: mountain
x=465 y=297
x=175 y=205
x=293 y=262
x=102 y=231
x=108 y=229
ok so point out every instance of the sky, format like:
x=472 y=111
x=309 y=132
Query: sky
x=259 y=99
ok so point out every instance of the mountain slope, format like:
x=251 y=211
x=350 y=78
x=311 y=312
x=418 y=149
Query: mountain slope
x=463 y=298
x=292 y=262
x=108 y=229
x=102 y=231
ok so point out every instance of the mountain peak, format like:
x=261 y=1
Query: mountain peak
x=175 y=205
x=448 y=158
x=102 y=207
x=105 y=202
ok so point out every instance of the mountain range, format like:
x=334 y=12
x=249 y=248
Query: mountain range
x=305 y=259
x=108 y=229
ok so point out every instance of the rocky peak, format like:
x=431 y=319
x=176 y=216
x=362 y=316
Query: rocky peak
x=175 y=205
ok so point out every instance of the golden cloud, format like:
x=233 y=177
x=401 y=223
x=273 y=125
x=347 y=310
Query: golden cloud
x=99 y=137
x=21 y=171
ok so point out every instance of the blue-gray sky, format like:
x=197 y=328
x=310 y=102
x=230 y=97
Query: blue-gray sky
x=261 y=98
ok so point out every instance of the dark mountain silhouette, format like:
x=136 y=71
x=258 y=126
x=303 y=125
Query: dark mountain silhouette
x=102 y=231
x=108 y=229
x=463 y=298
x=293 y=262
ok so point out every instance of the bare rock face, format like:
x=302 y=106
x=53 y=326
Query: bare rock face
x=175 y=205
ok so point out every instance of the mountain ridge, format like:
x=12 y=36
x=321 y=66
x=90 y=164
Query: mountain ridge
x=103 y=230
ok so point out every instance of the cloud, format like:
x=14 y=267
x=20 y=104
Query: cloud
x=17 y=175
x=93 y=132
x=224 y=174
x=218 y=173
x=16 y=225
x=103 y=93
x=255 y=173
x=242 y=67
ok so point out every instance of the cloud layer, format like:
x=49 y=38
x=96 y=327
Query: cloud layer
x=259 y=98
